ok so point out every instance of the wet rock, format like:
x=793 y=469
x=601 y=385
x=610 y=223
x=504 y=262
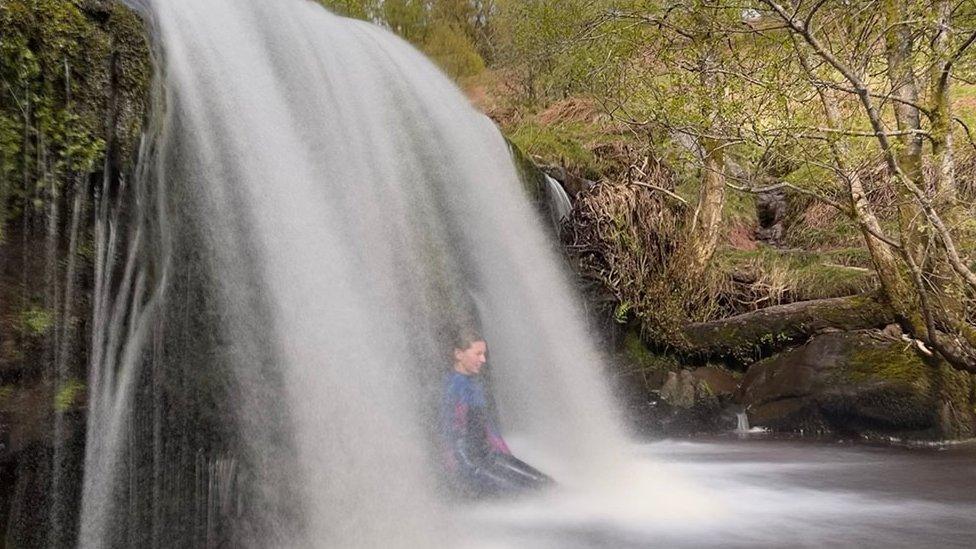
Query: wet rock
x=718 y=381
x=771 y=210
x=572 y=183
x=683 y=390
x=859 y=383
x=688 y=404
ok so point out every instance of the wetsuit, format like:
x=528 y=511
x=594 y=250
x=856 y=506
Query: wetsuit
x=476 y=454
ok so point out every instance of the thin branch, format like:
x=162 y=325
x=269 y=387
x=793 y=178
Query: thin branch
x=770 y=188
x=934 y=218
x=660 y=190
x=851 y=133
x=969 y=134
x=640 y=170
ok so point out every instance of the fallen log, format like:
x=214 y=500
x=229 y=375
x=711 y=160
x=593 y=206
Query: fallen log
x=746 y=337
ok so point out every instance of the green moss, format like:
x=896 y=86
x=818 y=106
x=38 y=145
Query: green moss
x=58 y=62
x=6 y=394
x=554 y=145
x=643 y=358
x=533 y=180
x=36 y=321
x=890 y=363
x=622 y=312
x=957 y=391
x=67 y=396
x=86 y=249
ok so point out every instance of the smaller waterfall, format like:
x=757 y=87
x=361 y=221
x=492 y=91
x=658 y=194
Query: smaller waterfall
x=743 y=423
x=559 y=202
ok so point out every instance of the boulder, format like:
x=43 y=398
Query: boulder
x=695 y=401
x=683 y=390
x=718 y=381
x=771 y=210
x=860 y=383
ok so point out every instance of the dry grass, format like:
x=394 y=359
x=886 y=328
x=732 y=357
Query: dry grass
x=573 y=109
x=629 y=241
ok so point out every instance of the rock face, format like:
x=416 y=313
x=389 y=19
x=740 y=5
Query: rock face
x=683 y=390
x=771 y=210
x=696 y=401
x=77 y=79
x=859 y=383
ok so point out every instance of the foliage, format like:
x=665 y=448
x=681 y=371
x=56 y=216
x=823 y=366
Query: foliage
x=453 y=51
x=452 y=32
x=358 y=9
x=36 y=321
x=68 y=395
x=810 y=97
x=56 y=65
x=559 y=49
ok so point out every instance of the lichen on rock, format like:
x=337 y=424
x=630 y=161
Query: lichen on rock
x=860 y=383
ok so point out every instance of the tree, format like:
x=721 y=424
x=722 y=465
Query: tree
x=446 y=30
x=941 y=310
x=453 y=50
x=760 y=95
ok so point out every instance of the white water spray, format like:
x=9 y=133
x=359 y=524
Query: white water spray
x=349 y=205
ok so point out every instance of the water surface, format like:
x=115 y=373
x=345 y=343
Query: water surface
x=755 y=493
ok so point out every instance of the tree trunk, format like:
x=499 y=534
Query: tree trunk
x=944 y=179
x=708 y=213
x=899 y=47
x=707 y=221
x=897 y=289
x=741 y=337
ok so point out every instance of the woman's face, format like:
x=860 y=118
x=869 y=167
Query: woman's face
x=469 y=361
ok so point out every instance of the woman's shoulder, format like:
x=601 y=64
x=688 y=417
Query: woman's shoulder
x=462 y=385
x=457 y=382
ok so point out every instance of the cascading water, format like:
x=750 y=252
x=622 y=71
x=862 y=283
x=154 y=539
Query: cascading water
x=316 y=211
x=320 y=210
x=742 y=422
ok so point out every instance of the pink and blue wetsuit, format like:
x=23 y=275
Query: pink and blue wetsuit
x=476 y=453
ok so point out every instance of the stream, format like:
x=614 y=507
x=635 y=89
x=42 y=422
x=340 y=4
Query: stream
x=756 y=493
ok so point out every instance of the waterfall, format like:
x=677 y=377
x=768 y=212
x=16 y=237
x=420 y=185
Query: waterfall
x=742 y=421
x=318 y=210
x=557 y=196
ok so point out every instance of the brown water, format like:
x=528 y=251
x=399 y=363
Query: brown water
x=758 y=493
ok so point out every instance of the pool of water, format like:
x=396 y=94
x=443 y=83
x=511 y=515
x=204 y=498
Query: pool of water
x=751 y=493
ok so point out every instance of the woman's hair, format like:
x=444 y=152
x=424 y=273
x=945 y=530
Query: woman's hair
x=464 y=337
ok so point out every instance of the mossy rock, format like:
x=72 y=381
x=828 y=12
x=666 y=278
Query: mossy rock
x=860 y=383
x=77 y=77
x=650 y=369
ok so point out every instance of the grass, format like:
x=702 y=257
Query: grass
x=797 y=275
x=67 y=396
x=555 y=145
x=590 y=149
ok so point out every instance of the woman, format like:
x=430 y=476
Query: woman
x=477 y=456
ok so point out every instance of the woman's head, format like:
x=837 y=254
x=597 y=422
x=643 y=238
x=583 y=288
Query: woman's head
x=470 y=352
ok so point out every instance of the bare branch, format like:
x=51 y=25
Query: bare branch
x=969 y=134
x=660 y=190
x=933 y=217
